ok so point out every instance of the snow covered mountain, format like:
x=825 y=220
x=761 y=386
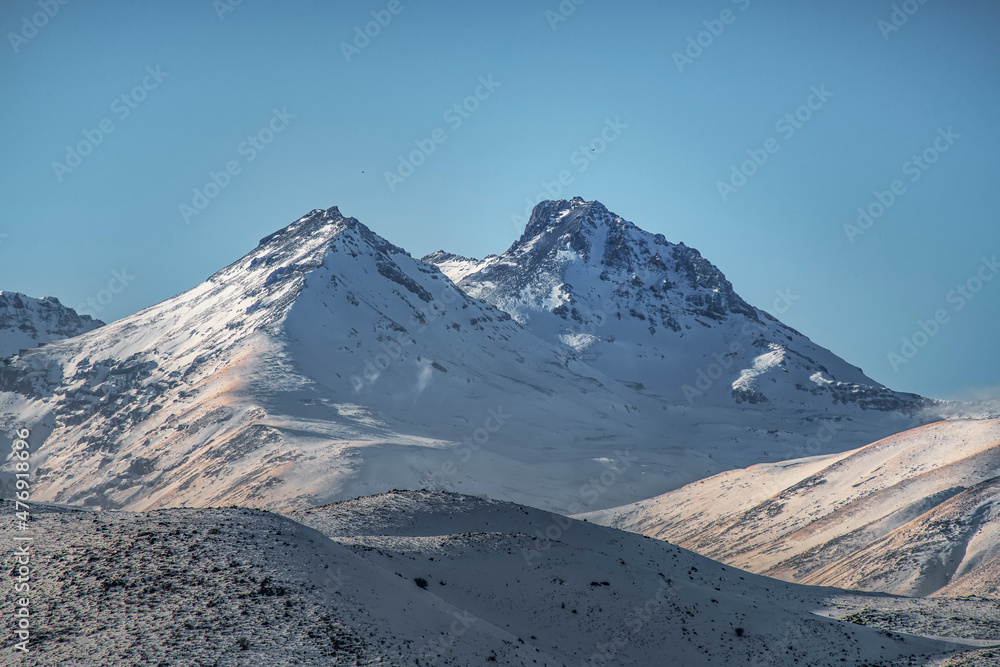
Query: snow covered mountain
x=658 y=316
x=27 y=322
x=440 y=579
x=915 y=514
x=328 y=364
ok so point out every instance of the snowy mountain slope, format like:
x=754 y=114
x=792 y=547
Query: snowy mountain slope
x=392 y=586
x=27 y=322
x=327 y=363
x=913 y=514
x=735 y=386
x=950 y=550
x=658 y=315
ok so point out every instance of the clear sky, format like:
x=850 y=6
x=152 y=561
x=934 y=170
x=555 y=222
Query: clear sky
x=116 y=115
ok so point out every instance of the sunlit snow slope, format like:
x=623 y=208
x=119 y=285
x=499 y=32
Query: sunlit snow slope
x=917 y=514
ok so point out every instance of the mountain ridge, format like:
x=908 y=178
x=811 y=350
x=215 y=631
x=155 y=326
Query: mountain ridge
x=328 y=363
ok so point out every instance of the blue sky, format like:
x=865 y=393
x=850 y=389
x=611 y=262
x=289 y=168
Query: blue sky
x=653 y=109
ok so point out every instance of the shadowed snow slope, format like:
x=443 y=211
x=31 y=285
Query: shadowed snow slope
x=399 y=578
x=917 y=513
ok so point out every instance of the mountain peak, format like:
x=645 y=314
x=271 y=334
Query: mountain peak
x=576 y=256
x=441 y=256
x=628 y=300
x=302 y=245
x=314 y=222
x=565 y=214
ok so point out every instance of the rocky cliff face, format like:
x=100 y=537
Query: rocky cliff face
x=26 y=322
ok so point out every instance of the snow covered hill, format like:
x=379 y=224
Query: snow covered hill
x=328 y=364
x=436 y=579
x=916 y=514
x=27 y=322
